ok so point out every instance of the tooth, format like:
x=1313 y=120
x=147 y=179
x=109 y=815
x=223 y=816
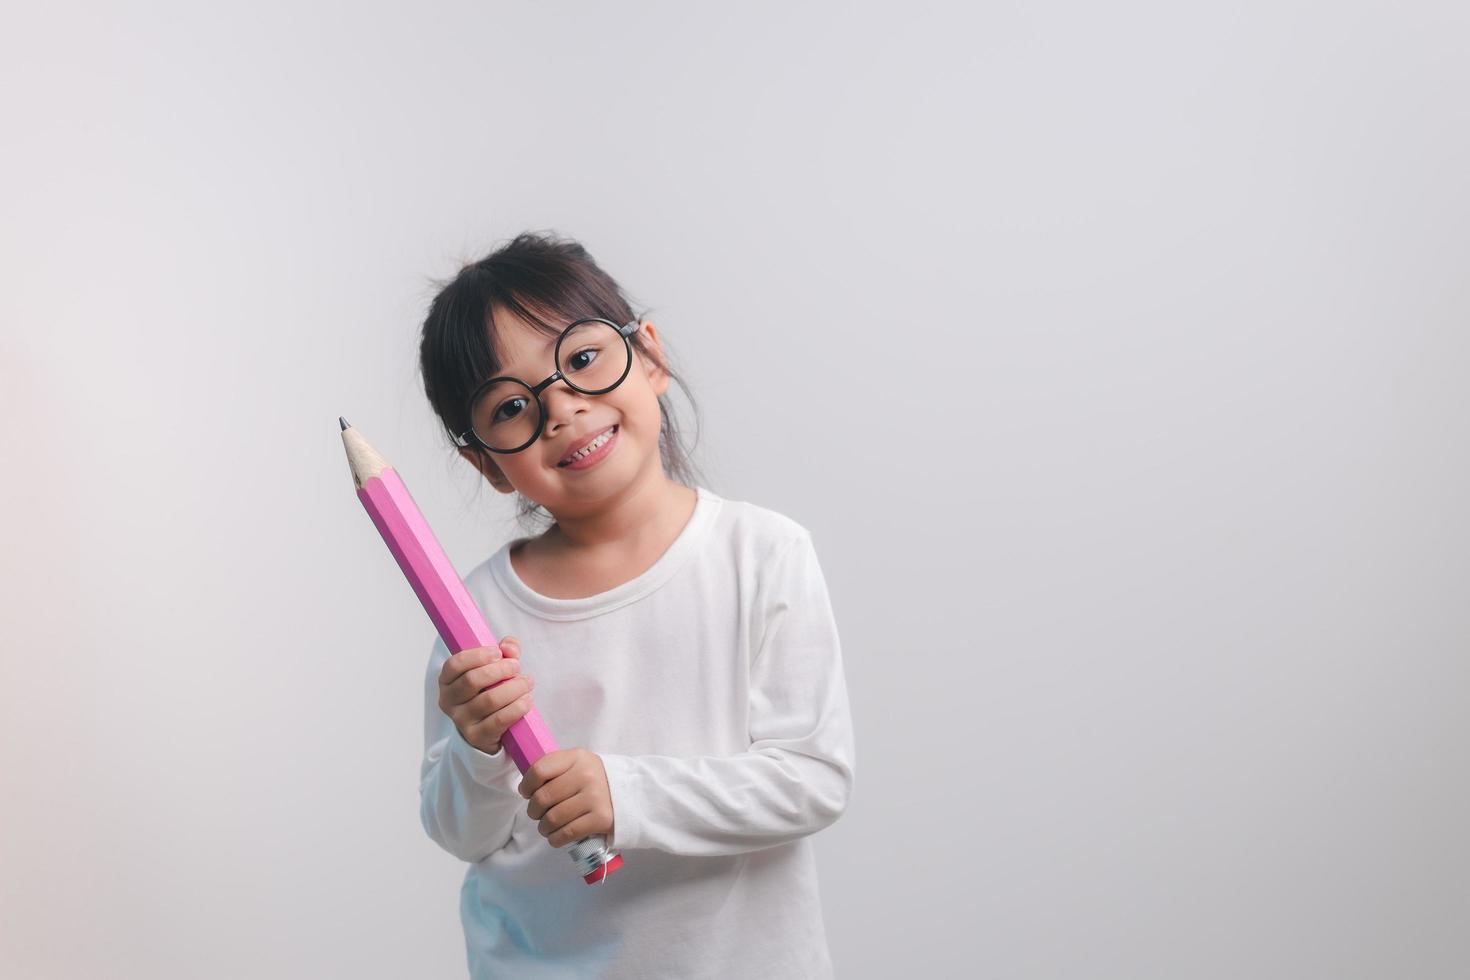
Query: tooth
x=592 y=446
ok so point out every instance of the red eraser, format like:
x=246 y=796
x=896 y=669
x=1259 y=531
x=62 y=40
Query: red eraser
x=593 y=877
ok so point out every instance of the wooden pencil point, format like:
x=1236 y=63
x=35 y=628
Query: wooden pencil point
x=364 y=461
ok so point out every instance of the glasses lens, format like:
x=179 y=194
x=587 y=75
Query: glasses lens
x=593 y=356
x=505 y=415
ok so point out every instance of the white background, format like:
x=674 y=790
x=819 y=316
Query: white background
x=1114 y=354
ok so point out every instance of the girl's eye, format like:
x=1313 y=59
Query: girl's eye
x=507 y=410
x=576 y=364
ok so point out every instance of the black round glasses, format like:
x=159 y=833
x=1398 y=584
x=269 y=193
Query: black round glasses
x=506 y=415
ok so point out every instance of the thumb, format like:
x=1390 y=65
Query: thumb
x=510 y=647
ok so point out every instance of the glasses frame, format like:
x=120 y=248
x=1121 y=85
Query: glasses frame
x=464 y=439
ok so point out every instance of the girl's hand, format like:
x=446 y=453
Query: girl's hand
x=569 y=796
x=483 y=692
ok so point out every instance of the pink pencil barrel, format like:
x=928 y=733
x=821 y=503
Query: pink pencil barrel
x=444 y=596
x=454 y=613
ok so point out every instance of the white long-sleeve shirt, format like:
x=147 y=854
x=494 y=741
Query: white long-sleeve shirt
x=712 y=687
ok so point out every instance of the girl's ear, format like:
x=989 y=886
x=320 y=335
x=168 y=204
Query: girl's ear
x=481 y=461
x=657 y=366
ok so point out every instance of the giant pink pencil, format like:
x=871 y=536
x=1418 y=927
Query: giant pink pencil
x=454 y=613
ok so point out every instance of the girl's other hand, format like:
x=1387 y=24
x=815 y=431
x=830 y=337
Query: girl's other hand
x=483 y=692
x=569 y=796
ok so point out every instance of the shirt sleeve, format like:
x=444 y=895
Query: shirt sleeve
x=467 y=798
x=798 y=774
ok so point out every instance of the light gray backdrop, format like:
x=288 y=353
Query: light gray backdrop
x=1115 y=355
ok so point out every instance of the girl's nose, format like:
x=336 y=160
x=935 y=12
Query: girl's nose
x=563 y=404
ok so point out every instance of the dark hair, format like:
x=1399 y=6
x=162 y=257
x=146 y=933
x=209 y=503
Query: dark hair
x=549 y=281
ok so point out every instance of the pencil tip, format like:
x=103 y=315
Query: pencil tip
x=344 y=423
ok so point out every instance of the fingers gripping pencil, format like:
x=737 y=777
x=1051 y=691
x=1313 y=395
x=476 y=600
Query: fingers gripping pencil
x=454 y=613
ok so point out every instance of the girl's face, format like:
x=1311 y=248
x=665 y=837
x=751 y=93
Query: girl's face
x=572 y=420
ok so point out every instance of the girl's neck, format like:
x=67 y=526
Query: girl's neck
x=650 y=512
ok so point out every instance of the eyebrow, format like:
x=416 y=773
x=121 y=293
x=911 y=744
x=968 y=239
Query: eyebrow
x=505 y=369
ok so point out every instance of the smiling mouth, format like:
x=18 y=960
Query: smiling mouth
x=599 y=441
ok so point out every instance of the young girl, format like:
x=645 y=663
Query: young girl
x=680 y=646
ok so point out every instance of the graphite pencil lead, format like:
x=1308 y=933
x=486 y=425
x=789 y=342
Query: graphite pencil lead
x=344 y=423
